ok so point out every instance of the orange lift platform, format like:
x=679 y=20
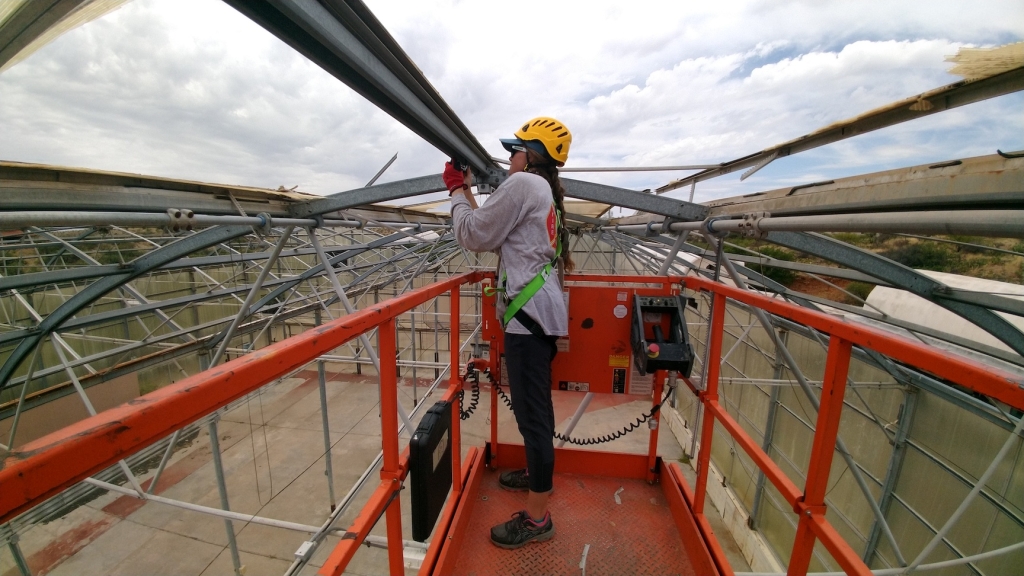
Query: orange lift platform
x=614 y=513
x=660 y=526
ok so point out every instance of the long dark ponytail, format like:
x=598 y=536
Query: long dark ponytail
x=545 y=169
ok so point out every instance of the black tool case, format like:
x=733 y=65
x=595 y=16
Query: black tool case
x=430 y=468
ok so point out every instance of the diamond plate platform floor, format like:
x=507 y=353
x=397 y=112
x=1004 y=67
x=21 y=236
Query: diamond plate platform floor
x=635 y=537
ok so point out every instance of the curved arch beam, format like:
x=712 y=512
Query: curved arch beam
x=751 y=274
x=903 y=277
x=96 y=290
x=290 y=283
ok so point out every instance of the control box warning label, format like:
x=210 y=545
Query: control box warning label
x=574 y=386
x=619 y=381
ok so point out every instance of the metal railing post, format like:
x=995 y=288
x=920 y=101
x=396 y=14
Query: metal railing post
x=708 y=395
x=826 y=430
x=389 y=440
x=412 y=341
x=454 y=382
x=802 y=381
x=222 y=488
x=654 y=423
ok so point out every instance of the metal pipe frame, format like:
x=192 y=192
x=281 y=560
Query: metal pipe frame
x=718 y=287
x=136 y=310
x=991 y=223
x=357 y=242
x=344 y=38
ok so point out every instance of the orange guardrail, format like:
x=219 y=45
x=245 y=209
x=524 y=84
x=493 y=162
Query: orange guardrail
x=44 y=467
x=809 y=503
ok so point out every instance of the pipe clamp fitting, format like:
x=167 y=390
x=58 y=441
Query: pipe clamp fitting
x=751 y=225
x=180 y=219
x=709 y=228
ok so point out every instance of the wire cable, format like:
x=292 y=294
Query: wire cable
x=473 y=377
x=592 y=441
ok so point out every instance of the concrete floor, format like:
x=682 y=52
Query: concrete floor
x=274 y=461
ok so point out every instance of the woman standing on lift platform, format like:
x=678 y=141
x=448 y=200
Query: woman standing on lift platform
x=522 y=221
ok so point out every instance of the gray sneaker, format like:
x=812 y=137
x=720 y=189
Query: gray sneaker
x=521 y=530
x=515 y=480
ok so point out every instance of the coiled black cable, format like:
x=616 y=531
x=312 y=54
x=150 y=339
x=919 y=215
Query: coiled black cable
x=598 y=439
x=472 y=376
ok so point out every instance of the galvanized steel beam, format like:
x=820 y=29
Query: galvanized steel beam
x=924 y=104
x=980 y=183
x=30 y=21
x=94 y=291
x=992 y=223
x=126 y=287
x=369 y=195
x=892 y=473
x=36 y=279
x=346 y=39
x=901 y=277
x=224 y=338
x=664 y=206
x=319 y=268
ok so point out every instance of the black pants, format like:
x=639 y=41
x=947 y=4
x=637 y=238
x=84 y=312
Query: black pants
x=528 y=359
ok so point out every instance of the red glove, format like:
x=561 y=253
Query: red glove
x=453 y=179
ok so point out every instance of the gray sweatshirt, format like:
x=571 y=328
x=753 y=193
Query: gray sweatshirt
x=518 y=222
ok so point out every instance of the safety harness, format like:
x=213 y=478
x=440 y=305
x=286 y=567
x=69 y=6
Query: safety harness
x=514 y=309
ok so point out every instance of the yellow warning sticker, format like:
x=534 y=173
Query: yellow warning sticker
x=618 y=361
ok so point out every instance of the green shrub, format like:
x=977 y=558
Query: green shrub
x=879 y=239
x=854 y=238
x=923 y=256
x=860 y=290
x=780 y=275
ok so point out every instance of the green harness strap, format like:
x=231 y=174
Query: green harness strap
x=535 y=284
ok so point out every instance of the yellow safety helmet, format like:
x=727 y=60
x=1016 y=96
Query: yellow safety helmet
x=546 y=136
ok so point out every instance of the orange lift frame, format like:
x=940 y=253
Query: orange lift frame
x=42 y=468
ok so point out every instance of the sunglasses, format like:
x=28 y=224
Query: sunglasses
x=516 y=149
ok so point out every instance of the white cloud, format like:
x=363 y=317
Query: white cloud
x=192 y=89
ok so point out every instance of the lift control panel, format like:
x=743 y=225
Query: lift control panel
x=658 y=335
x=597 y=355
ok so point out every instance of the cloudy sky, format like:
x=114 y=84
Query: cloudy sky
x=191 y=89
